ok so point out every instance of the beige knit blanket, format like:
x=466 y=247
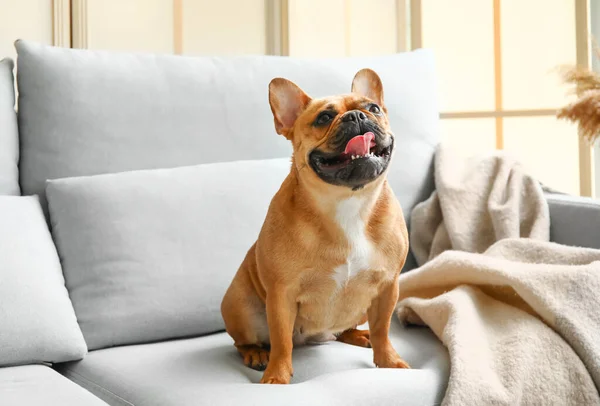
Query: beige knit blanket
x=520 y=316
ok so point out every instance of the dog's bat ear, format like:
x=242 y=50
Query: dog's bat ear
x=287 y=101
x=367 y=83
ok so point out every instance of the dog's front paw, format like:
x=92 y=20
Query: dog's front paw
x=275 y=380
x=277 y=375
x=390 y=359
x=394 y=363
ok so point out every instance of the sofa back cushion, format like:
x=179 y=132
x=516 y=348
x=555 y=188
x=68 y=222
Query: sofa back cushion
x=37 y=321
x=9 y=135
x=84 y=112
x=147 y=255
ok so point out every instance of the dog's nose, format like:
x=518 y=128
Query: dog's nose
x=354 y=115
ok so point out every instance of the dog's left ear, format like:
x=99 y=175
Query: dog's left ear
x=367 y=83
x=287 y=101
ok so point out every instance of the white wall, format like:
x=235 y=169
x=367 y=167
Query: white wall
x=30 y=19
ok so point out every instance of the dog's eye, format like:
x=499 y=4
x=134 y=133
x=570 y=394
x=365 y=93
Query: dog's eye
x=323 y=118
x=373 y=108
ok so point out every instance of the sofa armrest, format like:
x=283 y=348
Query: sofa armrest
x=574 y=220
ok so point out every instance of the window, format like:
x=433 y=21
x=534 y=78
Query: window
x=498 y=69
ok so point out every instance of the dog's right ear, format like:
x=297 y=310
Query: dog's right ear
x=287 y=101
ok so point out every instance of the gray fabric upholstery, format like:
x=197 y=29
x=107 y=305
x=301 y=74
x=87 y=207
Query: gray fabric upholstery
x=208 y=371
x=35 y=385
x=9 y=134
x=37 y=321
x=574 y=220
x=84 y=112
x=148 y=255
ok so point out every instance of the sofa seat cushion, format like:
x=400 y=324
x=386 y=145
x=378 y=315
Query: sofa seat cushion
x=208 y=371
x=34 y=385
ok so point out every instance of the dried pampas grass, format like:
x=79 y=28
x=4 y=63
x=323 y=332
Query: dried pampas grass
x=585 y=111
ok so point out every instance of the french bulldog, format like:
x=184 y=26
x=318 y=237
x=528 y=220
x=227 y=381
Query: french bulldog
x=329 y=254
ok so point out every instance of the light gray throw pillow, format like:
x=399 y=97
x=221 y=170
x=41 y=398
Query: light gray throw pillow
x=37 y=321
x=147 y=255
x=9 y=134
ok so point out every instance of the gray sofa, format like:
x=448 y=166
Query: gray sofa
x=144 y=179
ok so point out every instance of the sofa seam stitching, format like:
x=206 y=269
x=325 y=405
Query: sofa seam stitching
x=102 y=388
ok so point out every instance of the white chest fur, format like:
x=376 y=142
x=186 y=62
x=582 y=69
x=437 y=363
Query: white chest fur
x=348 y=216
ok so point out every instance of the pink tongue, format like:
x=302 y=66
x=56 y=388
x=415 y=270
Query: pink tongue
x=360 y=145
